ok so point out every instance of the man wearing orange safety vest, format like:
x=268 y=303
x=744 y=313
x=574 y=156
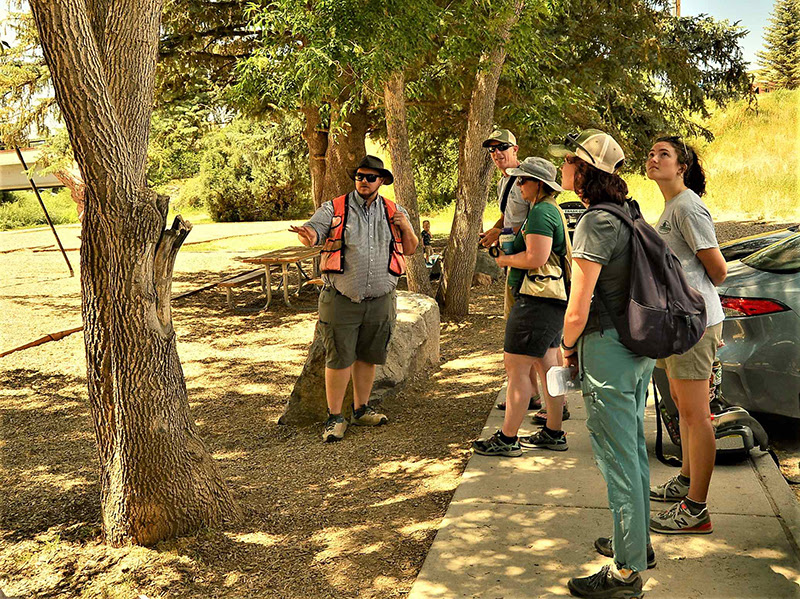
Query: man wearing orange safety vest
x=365 y=238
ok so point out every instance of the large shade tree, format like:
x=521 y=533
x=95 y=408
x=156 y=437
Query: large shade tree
x=157 y=476
x=781 y=55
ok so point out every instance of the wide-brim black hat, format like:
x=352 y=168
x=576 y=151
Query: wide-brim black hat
x=376 y=164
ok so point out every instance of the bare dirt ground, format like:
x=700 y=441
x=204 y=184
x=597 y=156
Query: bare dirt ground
x=353 y=519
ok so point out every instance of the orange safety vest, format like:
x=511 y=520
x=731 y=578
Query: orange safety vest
x=332 y=257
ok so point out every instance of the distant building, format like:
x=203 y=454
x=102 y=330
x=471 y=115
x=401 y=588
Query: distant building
x=12 y=175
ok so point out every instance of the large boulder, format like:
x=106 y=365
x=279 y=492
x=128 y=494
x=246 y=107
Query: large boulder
x=414 y=346
x=485 y=264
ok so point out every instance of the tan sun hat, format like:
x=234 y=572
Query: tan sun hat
x=593 y=146
x=537 y=168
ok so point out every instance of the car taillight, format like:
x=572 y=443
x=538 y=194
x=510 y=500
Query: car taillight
x=750 y=306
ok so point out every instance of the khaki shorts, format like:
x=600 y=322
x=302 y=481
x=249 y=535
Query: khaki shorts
x=352 y=331
x=696 y=363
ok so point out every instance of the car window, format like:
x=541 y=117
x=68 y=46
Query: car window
x=782 y=256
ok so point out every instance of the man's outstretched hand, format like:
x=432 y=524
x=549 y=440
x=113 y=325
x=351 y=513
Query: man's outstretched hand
x=307 y=235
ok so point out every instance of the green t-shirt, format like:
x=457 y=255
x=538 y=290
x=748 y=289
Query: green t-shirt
x=543 y=219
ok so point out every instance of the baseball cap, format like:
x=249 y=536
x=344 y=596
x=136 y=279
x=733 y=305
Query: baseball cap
x=537 y=168
x=503 y=136
x=593 y=146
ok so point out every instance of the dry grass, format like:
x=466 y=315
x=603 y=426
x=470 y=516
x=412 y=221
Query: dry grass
x=343 y=520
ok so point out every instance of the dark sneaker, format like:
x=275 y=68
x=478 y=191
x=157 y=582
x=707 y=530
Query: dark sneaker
x=604 y=547
x=540 y=417
x=368 y=416
x=534 y=404
x=542 y=440
x=678 y=520
x=335 y=427
x=671 y=491
x=494 y=446
x=604 y=585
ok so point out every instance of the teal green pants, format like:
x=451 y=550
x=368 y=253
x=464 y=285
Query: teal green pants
x=614 y=383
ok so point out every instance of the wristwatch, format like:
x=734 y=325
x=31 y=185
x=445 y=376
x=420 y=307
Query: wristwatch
x=568 y=347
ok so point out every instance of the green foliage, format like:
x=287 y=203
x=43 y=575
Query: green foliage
x=435 y=171
x=173 y=152
x=24 y=210
x=252 y=170
x=25 y=95
x=781 y=57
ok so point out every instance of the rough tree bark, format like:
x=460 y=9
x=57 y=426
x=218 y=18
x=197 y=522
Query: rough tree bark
x=317 y=141
x=474 y=169
x=157 y=476
x=345 y=148
x=394 y=97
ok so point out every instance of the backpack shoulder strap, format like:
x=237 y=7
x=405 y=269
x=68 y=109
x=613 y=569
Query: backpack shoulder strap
x=506 y=191
x=614 y=209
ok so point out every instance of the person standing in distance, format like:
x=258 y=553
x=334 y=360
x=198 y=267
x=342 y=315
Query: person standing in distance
x=688 y=229
x=362 y=232
x=502 y=147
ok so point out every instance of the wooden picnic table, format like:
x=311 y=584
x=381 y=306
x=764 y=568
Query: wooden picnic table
x=284 y=257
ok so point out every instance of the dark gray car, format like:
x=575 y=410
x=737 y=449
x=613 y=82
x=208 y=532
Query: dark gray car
x=761 y=356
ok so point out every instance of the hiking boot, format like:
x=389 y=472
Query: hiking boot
x=604 y=585
x=366 y=415
x=543 y=440
x=535 y=403
x=671 y=491
x=334 y=428
x=494 y=446
x=604 y=547
x=678 y=520
x=540 y=417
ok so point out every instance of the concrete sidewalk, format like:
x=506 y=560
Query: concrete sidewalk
x=521 y=527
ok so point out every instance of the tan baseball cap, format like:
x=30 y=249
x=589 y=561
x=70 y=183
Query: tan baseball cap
x=502 y=136
x=593 y=146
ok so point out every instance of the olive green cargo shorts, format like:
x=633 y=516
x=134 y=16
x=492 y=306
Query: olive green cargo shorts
x=352 y=331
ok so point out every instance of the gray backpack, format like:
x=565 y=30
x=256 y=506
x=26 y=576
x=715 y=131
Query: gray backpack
x=664 y=314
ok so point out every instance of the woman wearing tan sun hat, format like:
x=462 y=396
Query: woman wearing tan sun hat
x=539 y=277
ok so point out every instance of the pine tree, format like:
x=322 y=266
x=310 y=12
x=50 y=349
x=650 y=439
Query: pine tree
x=781 y=57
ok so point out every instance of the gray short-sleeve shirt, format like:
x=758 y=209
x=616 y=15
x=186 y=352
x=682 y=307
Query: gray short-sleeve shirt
x=687 y=227
x=516 y=207
x=603 y=238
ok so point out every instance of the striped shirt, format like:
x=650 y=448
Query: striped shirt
x=366 y=248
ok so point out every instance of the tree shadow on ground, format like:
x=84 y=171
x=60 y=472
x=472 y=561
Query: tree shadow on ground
x=340 y=520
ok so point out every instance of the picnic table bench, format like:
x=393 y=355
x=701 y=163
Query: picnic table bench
x=284 y=258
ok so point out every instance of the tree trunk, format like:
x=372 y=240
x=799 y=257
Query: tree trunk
x=345 y=148
x=404 y=190
x=157 y=477
x=474 y=169
x=317 y=141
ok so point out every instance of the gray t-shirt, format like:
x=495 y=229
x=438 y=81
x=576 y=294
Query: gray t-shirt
x=516 y=207
x=687 y=228
x=603 y=238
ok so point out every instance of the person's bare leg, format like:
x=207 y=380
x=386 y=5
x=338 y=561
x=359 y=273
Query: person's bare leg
x=695 y=412
x=336 y=380
x=555 y=404
x=534 y=383
x=684 y=430
x=518 y=392
x=363 y=377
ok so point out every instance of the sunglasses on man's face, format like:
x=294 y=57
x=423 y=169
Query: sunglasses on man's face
x=366 y=177
x=499 y=148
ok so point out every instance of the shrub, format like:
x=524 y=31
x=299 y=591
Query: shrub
x=253 y=170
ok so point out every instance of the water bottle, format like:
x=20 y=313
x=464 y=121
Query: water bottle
x=507 y=240
x=559 y=380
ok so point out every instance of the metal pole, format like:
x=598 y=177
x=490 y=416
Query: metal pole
x=46 y=215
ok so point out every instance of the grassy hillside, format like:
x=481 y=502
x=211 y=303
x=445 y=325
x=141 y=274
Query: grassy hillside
x=752 y=165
